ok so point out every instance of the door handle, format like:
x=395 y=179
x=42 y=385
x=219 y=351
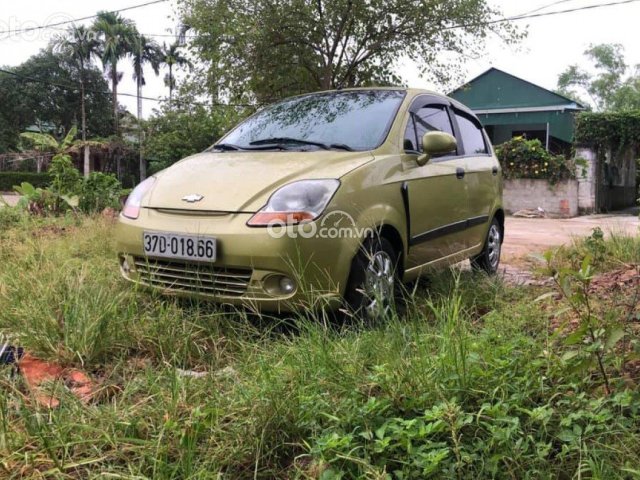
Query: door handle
x=459 y=173
x=494 y=170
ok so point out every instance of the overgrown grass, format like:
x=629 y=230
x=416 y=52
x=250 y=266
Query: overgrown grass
x=468 y=383
x=612 y=251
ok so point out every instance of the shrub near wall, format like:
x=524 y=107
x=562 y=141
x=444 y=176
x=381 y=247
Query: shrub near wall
x=604 y=130
x=522 y=158
x=10 y=179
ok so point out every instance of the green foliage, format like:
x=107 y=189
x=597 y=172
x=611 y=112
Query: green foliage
x=65 y=177
x=55 y=110
x=263 y=50
x=100 y=191
x=9 y=216
x=521 y=158
x=608 y=89
x=605 y=253
x=172 y=135
x=469 y=383
x=604 y=130
x=43 y=201
x=9 y=179
x=68 y=190
x=593 y=344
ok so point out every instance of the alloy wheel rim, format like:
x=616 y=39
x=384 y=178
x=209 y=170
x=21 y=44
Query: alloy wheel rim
x=379 y=284
x=494 y=246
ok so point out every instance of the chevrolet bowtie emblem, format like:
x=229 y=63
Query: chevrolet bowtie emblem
x=193 y=198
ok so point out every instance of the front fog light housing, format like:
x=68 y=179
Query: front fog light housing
x=279 y=285
x=287 y=285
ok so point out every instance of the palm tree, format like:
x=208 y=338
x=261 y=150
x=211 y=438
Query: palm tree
x=79 y=44
x=171 y=56
x=144 y=51
x=116 y=36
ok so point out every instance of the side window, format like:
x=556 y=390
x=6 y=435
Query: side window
x=410 y=143
x=429 y=118
x=472 y=136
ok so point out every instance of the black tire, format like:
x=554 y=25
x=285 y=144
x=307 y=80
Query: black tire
x=489 y=259
x=363 y=298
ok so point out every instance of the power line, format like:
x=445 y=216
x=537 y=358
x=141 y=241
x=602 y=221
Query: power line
x=538 y=15
x=524 y=16
x=98 y=92
x=544 y=7
x=65 y=22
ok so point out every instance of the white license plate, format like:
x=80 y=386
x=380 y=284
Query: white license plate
x=170 y=245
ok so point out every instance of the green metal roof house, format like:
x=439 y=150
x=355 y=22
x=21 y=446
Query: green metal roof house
x=509 y=106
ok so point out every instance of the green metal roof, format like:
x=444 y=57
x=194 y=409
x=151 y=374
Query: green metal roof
x=495 y=89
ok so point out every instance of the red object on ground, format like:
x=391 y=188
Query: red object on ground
x=36 y=372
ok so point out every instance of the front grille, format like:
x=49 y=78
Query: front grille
x=193 y=277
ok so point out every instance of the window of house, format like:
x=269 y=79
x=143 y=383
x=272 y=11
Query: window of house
x=472 y=136
x=431 y=118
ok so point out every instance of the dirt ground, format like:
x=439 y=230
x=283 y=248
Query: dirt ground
x=524 y=236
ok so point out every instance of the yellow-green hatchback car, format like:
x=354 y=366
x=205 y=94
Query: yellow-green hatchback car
x=332 y=198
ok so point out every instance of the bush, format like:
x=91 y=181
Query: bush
x=100 y=191
x=65 y=177
x=522 y=158
x=68 y=190
x=10 y=179
x=9 y=216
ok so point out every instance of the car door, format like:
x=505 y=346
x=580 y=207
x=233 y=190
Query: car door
x=481 y=175
x=434 y=194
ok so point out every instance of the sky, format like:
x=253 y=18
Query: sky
x=553 y=42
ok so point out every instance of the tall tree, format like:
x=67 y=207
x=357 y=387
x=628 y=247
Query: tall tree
x=80 y=46
x=116 y=36
x=172 y=57
x=607 y=84
x=144 y=52
x=45 y=91
x=265 y=50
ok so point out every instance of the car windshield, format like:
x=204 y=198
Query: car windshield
x=347 y=120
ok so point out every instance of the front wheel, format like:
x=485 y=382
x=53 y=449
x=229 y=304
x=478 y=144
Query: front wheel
x=372 y=285
x=489 y=259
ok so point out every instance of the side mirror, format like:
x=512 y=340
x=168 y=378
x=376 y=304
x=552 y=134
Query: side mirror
x=436 y=143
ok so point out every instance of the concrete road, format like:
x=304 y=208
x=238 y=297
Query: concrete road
x=535 y=235
x=12 y=200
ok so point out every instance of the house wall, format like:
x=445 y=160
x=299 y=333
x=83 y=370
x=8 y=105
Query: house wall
x=560 y=200
x=587 y=181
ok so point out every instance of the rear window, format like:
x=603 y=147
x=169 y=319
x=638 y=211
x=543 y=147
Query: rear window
x=472 y=136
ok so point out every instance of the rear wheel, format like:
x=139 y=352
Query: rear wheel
x=489 y=259
x=372 y=285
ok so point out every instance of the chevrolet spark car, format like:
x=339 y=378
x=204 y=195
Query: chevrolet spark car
x=333 y=198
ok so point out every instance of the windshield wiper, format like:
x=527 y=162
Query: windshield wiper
x=341 y=146
x=283 y=140
x=226 y=147
x=230 y=147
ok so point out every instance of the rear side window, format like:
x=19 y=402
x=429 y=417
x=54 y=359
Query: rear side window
x=472 y=136
x=431 y=118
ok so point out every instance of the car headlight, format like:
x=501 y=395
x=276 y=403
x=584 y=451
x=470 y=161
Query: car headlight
x=297 y=202
x=132 y=206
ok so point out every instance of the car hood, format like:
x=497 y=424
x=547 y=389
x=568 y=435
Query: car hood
x=243 y=181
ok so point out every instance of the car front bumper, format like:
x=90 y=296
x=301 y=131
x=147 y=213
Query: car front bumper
x=249 y=262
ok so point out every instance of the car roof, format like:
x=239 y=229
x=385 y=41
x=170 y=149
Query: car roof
x=412 y=92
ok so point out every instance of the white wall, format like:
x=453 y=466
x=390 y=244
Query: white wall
x=560 y=200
